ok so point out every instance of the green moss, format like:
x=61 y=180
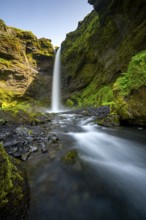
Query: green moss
x=112 y=120
x=134 y=79
x=5 y=62
x=46 y=46
x=118 y=94
x=6 y=96
x=14 y=49
x=23 y=111
x=92 y=96
x=105 y=95
x=40 y=46
x=135 y=76
x=2 y=22
x=106 y=47
x=11 y=181
x=69 y=102
x=78 y=42
x=70 y=157
x=44 y=53
x=31 y=60
x=25 y=35
x=2 y=121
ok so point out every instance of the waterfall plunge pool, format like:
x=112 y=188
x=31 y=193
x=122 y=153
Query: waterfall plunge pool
x=108 y=181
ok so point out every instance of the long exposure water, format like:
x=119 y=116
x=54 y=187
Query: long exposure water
x=107 y=182
x=56 y=92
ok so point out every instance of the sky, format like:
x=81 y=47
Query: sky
x=51 y=19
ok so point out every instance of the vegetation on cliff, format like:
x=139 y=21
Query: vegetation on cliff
x=25 y=61
x=103 y=61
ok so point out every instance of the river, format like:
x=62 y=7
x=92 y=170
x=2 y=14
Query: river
x=107 y=182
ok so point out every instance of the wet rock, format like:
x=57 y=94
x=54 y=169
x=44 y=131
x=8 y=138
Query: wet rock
x=4 y=135
x=70 y=157
x=30 y=139
x=33 y=149
x=74 y=199
x=49 y=138
x=10 y=143
x=44 y=149
x=2 y=122
x=17 y=154
x=22 y=131
x=52 y=154
x=110 y=121
x=33 y=123
x=53 y=138
x=25 y=156
x=14 y=192
x=11 y=150
x=77 y=166
x=100 y=112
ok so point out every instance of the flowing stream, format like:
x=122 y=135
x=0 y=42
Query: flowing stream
x=56 y=92
x=106 y=182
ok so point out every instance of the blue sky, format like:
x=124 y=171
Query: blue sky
x=52 y=19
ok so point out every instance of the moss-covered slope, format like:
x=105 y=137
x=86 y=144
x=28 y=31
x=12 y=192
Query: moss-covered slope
x=103 y=61
x=25 y=64
x=13 y=188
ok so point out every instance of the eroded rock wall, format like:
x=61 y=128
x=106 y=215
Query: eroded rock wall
x=106 y=56
x=26 y=65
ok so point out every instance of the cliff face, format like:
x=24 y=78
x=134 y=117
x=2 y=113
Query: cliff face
x=25 y=65
x=104 y=60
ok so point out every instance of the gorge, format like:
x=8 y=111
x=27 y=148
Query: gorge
x=88 y=162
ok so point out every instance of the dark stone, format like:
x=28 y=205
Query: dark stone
x=11 y=143
x=33 y=149
x=25 y=156
x=44 y=150
x=53 y=138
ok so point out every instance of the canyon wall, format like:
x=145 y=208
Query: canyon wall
x=104 y=60
x=26 y=65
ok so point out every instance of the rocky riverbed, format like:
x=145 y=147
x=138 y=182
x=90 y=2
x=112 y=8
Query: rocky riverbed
x=62 y=184
x=34 y=139
x=22 y=140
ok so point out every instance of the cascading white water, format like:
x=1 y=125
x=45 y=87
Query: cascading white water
x=56 y=93
x=121 y=162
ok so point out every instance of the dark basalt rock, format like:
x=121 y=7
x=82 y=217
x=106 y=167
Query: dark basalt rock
x=128 y=8
x=112 y=120
x=25 y=140
x=100 y=5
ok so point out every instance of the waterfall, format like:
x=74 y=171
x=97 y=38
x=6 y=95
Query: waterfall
x=56 y=100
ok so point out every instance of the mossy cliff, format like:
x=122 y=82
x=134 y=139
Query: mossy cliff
x=25 y=65
x=104 y=60
x=13 y=188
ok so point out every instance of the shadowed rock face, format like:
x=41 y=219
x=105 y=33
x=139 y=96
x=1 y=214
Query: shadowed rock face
x=129 y=7
x=100 y=5
x=99 y=59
